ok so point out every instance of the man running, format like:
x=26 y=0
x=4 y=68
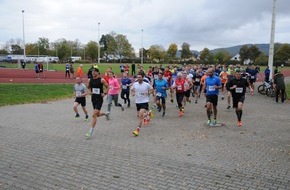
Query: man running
x=96 y=87
x=212 y=85
x=224 y=77
x=142 y=90
x=160 y=86
x=238 y=89
x=188 y=85
x=126 y=83
x=196 y=84
x=179 y=86
x=80 y=92
x=253 y=77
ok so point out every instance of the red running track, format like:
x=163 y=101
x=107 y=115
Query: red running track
x=28 y=76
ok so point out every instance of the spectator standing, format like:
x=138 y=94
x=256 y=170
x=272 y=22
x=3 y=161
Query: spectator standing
x=80 y=71
x=133 y=69
x=279 y=85
x=67 y=70
x=36 y=69
x=72 y=70
x=267 y=74
x=40 y=66
x=23 y=64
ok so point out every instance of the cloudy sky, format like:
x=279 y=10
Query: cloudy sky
x=201 y=23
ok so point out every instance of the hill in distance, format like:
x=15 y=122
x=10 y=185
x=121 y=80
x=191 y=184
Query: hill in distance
x=236 y=49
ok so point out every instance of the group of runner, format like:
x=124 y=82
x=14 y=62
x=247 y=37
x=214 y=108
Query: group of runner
x=184 y=82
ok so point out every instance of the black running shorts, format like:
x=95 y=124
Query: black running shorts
x=142 y=106
x=212 y=99
x=81 y=100
x=97 y=103
x=237 y=99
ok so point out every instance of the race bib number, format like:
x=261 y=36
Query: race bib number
x=179 y=87
x=124 y=87
x=96 y=91
x=142 y=94
x=197 y=80
x=239 y=90
x=111 y=87
x=211 y=88
x=78 y=93
x=158 y=94
x=155 y=76
x=252 y=77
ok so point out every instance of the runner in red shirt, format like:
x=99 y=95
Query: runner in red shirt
x=179 y=86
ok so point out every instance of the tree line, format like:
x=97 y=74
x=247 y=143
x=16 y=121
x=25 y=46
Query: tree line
x=116 y=48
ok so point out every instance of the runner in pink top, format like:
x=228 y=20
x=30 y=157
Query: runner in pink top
x=113 y=92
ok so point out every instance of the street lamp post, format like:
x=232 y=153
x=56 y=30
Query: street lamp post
x=99 y=43
x=271 y=48
x=142 y=48
x=24 y=54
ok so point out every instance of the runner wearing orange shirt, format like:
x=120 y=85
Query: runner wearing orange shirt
x=224 y=78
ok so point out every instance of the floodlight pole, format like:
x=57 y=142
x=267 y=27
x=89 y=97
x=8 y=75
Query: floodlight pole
x=271 y=48
x=142 y=47
x=24 y=54
x=99 y=43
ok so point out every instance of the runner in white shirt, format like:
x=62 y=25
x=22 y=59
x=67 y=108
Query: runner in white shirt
x=141 y=90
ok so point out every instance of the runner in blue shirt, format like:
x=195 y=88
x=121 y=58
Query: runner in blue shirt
x=253 y=77
x=212 y=85
x=160 y=86
x=126 y=83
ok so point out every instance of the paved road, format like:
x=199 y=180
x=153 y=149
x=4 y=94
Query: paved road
x=43 y=147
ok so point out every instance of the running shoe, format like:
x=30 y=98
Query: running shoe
x=240 y=123
x=196 y=101
x=214 y=122
x=154 y=106
x=228 y=107
x=163 y=114
x=159 y=108
x=136 y=133
x=181 y=113
x=122 y=108
x=77 y=116
x=88 y=135
x=107 y=116
x=87 y=118
x=171 y=100
x=223 y=98
x=208 y=122
x=189 y=101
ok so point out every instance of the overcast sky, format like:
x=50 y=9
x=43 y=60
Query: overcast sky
x=201 y=23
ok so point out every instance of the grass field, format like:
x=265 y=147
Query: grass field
x=12 y=94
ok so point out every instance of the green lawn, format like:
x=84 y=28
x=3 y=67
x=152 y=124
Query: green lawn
x=11 y=94
x=288 y=90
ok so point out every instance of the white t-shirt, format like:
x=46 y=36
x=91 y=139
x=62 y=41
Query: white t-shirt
x=189 y=77
x=141 y=92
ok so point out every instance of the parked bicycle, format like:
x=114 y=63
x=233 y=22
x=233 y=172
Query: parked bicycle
x=266 y=86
